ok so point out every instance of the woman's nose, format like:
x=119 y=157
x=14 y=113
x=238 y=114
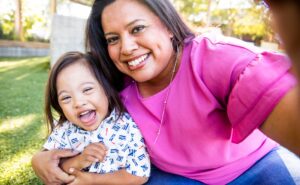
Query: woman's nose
x=128 y=45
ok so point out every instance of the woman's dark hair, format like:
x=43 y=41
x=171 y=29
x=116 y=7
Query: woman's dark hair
x=51 y=97
x=97 y=45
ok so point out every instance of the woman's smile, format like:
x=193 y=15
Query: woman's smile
x=139 y=44
x=138 y=62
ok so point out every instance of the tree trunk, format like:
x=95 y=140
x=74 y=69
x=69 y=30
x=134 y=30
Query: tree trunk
x=208 y=19
x=18 y=21
x=53 y=4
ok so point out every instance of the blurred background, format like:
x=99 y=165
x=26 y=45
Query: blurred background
x=45 y=22
x=34 y=33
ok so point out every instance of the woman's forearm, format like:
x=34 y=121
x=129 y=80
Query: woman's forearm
x=115 y=178
x=121 y=177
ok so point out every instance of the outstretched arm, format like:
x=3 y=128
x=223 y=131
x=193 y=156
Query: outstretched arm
x=115 y=178
x=283 y=124
x=46 y=166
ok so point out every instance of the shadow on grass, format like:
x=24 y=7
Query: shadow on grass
x=15 y=145
x=22 y=85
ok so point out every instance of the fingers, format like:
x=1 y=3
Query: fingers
x=58 y=153
x=57 y=175
x=45 y=165
x=65 y=178
x=95 y=152
x=74 y=172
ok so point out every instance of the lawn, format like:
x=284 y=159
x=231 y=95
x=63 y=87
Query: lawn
x=22 y=125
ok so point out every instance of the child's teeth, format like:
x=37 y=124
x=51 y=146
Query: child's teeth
x=84 y=113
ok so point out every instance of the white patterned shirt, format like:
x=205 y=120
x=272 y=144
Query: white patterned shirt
x=122 y=138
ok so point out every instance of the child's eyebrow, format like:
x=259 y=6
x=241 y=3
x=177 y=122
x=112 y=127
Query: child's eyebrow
x=60 y=92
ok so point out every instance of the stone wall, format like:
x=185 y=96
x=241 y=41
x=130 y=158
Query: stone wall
x=67 y=34
x=9 y=48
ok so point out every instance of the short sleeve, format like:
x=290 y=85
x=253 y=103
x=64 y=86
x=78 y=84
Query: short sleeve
x=138 y=162
x=57 y=139
x=256 y=92
x=246 y=81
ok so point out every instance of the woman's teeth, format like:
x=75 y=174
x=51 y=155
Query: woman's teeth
x=137 y=61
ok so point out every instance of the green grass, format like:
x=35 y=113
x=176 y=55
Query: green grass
x=22 y=128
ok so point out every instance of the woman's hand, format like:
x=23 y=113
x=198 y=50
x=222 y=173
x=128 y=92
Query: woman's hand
x=46 y=166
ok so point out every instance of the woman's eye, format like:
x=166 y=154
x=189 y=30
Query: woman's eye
x=138 y=29
x=112 y=40
x=88 y=89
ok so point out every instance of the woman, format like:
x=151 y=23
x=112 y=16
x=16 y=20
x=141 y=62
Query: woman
x=200 y=102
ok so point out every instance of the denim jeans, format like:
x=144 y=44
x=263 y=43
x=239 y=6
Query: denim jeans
x=278 y=167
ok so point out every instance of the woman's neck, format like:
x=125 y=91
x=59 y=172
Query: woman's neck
x=156 y=85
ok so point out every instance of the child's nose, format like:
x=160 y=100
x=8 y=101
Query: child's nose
x=79 y=102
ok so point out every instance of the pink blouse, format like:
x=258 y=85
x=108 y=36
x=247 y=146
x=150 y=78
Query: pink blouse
x=223 y=90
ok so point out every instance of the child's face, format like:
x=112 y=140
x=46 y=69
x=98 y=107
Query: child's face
x=81 y=97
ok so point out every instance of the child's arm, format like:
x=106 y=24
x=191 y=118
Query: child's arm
x=94 y=152
x=115 y=178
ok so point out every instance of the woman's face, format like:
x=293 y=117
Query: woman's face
x=139 y=44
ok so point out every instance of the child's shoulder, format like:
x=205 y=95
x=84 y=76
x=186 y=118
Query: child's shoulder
x=66 y=127
x=119 y=120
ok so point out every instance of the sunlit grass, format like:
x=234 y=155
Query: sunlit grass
x=22 y=129
x=10 y=124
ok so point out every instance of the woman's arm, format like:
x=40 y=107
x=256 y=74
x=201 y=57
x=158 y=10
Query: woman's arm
x=115 y=178
x=283 y=124
x=46 y=166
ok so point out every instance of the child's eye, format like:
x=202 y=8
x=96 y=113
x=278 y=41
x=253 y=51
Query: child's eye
x=65 y=99
x=138 y=29
x=112 y=40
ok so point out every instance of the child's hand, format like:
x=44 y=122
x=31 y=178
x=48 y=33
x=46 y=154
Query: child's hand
x=94 y=152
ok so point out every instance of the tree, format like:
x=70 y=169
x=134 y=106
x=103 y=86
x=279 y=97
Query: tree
x=195 y=11
x=236 y=18
x=18 y=21
x=84 y=2
x=53 y=5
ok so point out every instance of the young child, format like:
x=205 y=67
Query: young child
x=92 y=121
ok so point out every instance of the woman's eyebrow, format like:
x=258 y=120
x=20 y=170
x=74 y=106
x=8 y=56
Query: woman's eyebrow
x=126 y=26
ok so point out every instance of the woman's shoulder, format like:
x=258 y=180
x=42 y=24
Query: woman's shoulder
x=215 y=41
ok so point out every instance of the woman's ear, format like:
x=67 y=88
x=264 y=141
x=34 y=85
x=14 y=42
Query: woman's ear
x=171 y=35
